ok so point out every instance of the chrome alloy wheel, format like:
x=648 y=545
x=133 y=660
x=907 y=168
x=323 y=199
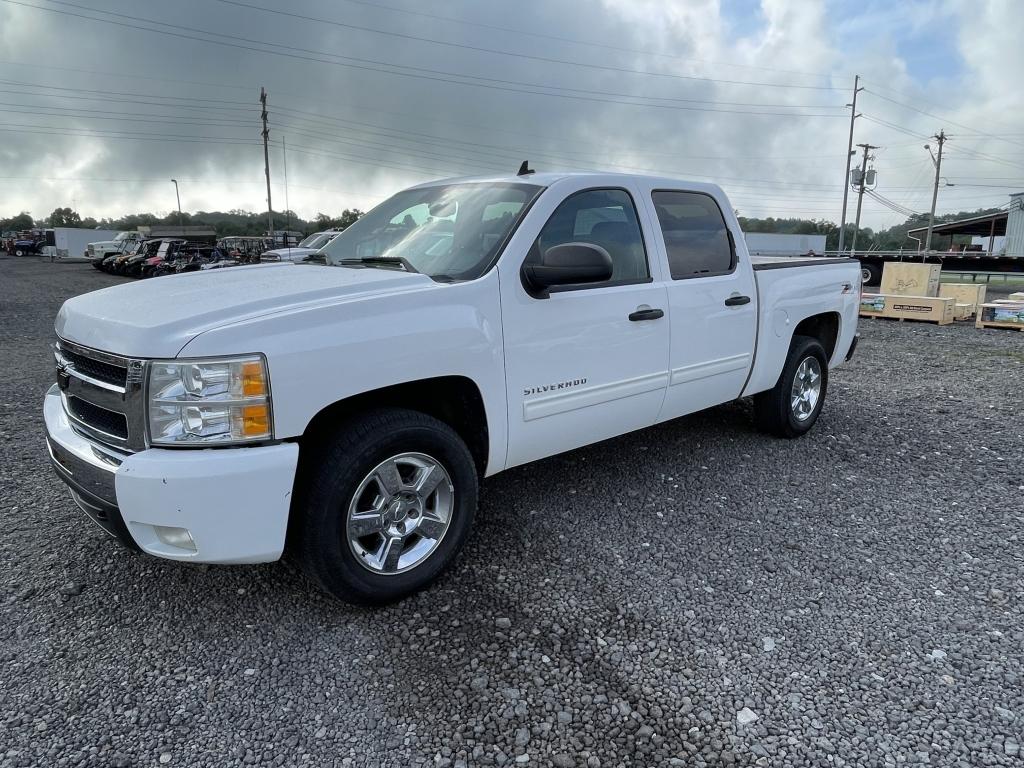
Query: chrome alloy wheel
x=806 y=388
x=399 y=513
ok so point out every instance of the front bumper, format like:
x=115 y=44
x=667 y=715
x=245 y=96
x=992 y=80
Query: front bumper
x=233 y=502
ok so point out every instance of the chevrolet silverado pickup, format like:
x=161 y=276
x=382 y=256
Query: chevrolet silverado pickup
x=344 y=410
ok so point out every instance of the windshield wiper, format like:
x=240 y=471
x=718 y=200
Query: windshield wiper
x=385 y=262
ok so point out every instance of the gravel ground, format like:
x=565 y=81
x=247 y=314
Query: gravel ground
x=695 y=594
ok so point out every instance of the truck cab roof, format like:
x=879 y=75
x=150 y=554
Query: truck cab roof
x=596 y=178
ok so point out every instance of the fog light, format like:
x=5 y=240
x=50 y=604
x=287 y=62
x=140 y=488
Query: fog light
x=175 y=537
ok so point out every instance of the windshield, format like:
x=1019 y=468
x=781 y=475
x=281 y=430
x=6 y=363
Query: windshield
x=124 y=235
x=451 y=232
x=317 y=241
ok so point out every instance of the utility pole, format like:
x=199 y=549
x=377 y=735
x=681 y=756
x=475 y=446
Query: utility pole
x=181 y=226
x=266 y=161
x=860 y=193
x=849 y=155
x=940 y=137
x=287 y=206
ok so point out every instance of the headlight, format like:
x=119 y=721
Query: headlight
x=201 y=402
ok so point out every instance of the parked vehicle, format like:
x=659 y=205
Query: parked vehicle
x=27 y=243
x=348 y=409
x=99 y=250
x=72 y=243
x=310 y=245
x=162 y=261
x=139 y=256
x=245 y=250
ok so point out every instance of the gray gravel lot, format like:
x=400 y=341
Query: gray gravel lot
x=695 y=594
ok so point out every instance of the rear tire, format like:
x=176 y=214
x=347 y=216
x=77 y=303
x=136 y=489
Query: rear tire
x=792 y=406
x=388 y=479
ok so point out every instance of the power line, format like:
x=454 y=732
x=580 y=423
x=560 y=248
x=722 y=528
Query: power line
x=944 y=119
x=109 y=100
x=79 y=70
x=544 y=59
x=575 y=41
x=188 y=140
x=122 y=116
x=890 y=204
x=134 y=94
x=415 y=72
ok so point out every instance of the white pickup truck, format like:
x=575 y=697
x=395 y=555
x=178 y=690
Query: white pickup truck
x=99 y=250
x=346 y=410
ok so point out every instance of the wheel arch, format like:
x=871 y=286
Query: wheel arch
x=455 y=400
x=824 y=327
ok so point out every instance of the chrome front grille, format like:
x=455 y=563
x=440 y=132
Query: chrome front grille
x=97 y=369
x=110 y=423
x=103 y=395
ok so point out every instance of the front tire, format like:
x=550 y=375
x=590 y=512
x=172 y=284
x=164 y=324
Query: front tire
x=390 y=502
x=793 y=405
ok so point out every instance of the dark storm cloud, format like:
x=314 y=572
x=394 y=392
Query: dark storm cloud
x=125 y=122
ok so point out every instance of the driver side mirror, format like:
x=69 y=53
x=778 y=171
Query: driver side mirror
x=567 y=264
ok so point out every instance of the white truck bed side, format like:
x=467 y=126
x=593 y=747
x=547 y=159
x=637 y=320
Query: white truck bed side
x=790 y=290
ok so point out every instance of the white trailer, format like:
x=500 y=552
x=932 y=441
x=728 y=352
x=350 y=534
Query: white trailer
x=70 y=243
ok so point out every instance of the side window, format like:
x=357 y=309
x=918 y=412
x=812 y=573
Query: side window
x=695 y=234
x=603 y=217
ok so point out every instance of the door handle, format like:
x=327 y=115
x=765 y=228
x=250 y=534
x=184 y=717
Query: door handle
x=737 y=301
x=646 y=314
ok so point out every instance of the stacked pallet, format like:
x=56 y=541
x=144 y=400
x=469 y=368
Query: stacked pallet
x=968 y=297
x=910 y=292
x=1001 y=314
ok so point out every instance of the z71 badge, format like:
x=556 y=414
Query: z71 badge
x=553 y=387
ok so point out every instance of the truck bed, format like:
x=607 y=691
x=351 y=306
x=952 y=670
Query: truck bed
x=781 y=262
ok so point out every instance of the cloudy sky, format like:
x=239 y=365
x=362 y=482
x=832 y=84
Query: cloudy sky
x=103 y=101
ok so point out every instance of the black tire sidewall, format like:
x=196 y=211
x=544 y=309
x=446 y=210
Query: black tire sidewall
x=803 y=347
x=874 y=274
x=325 y=553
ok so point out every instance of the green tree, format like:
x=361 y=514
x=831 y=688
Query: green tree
x=22 y=221
x=64 y=217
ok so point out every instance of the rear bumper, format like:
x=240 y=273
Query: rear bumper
x=233 y=502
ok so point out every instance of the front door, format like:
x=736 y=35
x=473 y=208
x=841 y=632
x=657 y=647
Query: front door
x=712 y=302
x=578 y=368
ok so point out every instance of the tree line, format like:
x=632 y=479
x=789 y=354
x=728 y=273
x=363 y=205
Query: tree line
x=237 y=222
x=234 y=222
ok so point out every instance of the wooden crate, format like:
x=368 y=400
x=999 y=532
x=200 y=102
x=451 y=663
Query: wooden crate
x=1003 y=314
x=964 y=311
x=930 y=308
x=905 y=278
x=969 y=294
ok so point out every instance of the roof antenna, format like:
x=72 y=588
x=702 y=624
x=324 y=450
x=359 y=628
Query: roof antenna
x=525 y=169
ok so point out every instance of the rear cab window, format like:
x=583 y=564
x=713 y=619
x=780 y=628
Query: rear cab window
x=697 y=239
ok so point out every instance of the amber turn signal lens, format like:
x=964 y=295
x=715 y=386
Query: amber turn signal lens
x=255 y=420
x=253 y=383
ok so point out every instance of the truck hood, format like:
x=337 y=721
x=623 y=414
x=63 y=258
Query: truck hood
x=159 y=316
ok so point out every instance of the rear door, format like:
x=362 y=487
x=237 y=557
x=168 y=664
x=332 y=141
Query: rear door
x=711 y=295
x=589 y=361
